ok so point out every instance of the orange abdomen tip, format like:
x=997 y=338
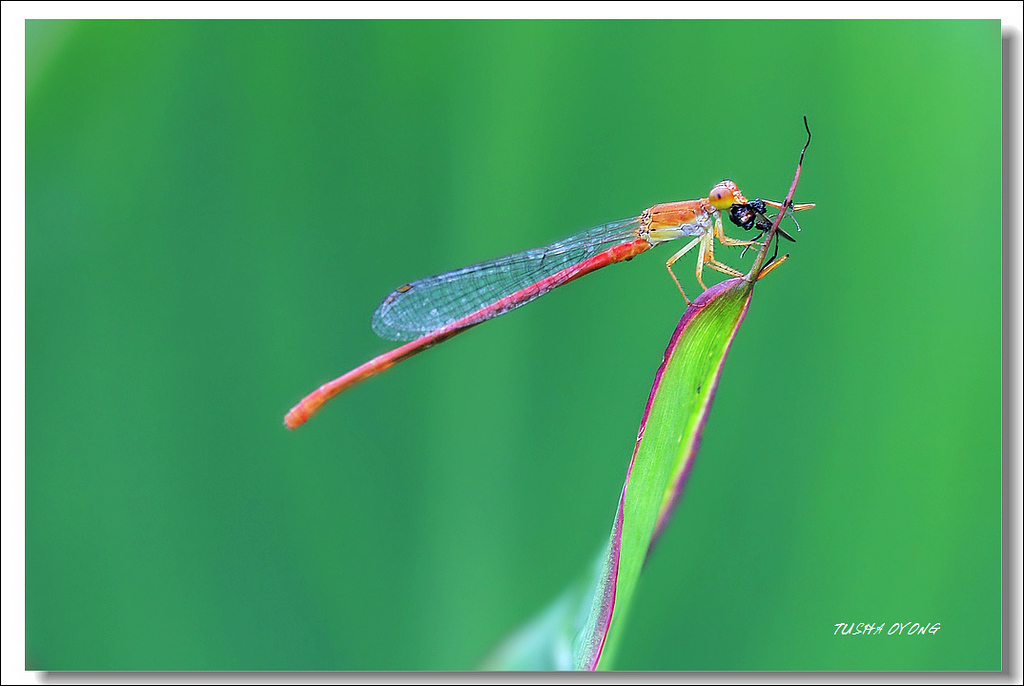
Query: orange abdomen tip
x=298 y=415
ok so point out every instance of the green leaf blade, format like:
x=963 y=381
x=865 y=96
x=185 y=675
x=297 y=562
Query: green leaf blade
x=670 y=433
x=580 y=630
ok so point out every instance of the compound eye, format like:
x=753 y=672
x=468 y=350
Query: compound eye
x=725 y=195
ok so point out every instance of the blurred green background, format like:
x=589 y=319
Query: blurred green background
x=214 y=210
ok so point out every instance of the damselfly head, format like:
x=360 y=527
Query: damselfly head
x=725 y=195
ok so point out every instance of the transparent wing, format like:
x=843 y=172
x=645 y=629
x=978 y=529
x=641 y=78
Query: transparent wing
x=426 y=305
